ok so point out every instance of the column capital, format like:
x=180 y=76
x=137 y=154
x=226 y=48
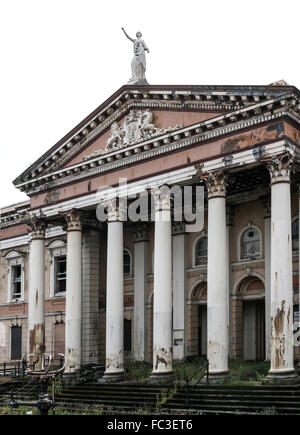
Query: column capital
x=37 y=227
x=216 y=184
x=141 y=233
x=162 y=198
x=279 y=168
x=115 y=210
x=73 y=219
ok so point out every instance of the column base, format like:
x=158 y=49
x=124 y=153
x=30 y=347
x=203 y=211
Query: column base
x=216 y=377
x=111 y=377
x=160 y=378
x=281 y=376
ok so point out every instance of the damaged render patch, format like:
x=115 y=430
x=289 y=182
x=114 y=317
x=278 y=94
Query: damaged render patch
x=162 y=356
x=278 y=337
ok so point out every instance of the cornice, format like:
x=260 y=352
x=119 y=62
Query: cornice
x=204 y=98
x=215 y=128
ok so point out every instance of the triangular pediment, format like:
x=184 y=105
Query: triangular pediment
x=154 y=110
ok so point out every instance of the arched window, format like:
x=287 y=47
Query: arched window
x=201 y=251
x=126 y=262
x=250 y=243
x=295 y=234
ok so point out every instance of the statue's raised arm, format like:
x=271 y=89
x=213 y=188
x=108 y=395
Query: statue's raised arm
x=127 y=36
x=138 y=63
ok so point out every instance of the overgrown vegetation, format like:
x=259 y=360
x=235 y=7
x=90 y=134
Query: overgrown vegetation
x=137 y=371
x=240 y=371
x=25 y=410
x=247 y=372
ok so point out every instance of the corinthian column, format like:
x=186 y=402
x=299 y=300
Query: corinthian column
x=73 y=292
x=114 y=295
x=36 y=297
x=162 y=307
x=281 y=310
x=217 y=286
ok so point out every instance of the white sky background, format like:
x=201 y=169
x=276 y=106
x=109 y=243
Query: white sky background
x=60 y=59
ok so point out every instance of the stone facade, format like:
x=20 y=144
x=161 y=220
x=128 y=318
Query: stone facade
x=240 y=145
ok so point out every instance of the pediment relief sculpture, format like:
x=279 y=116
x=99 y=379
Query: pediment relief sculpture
x=138 y=126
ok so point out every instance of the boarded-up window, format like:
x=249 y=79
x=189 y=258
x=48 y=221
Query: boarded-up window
x=59 y=339
x=16 y=342
x=250 y=243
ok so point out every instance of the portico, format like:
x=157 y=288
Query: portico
x=241 y=153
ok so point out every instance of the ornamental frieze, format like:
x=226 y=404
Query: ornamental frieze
x=137 y=127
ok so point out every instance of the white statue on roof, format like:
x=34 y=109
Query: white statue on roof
x=138 y=63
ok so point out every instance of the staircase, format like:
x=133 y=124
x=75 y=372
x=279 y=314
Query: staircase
x=212 y=399
x=216 y=399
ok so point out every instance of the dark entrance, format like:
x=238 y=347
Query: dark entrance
x=202 y=330
x=16 y=342
x=127 y=335
x=254 y=330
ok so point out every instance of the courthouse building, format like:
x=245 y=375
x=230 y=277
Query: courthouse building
x=108 y=291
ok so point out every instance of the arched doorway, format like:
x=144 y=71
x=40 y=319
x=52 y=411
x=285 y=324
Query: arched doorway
x=251 y=298
x=197 y=321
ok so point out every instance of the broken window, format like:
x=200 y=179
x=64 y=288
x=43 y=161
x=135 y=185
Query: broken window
x=60 y=274
x=16 y=281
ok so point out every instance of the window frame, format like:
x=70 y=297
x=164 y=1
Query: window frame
x=197 y=240
x=57 y=248
x=56 y=278
x=15 y=258
x=296 y=218
x=250 y=258
x=127 y=275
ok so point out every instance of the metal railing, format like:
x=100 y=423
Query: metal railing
x=16 y=368
x=202 y=371
x=21 y=367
